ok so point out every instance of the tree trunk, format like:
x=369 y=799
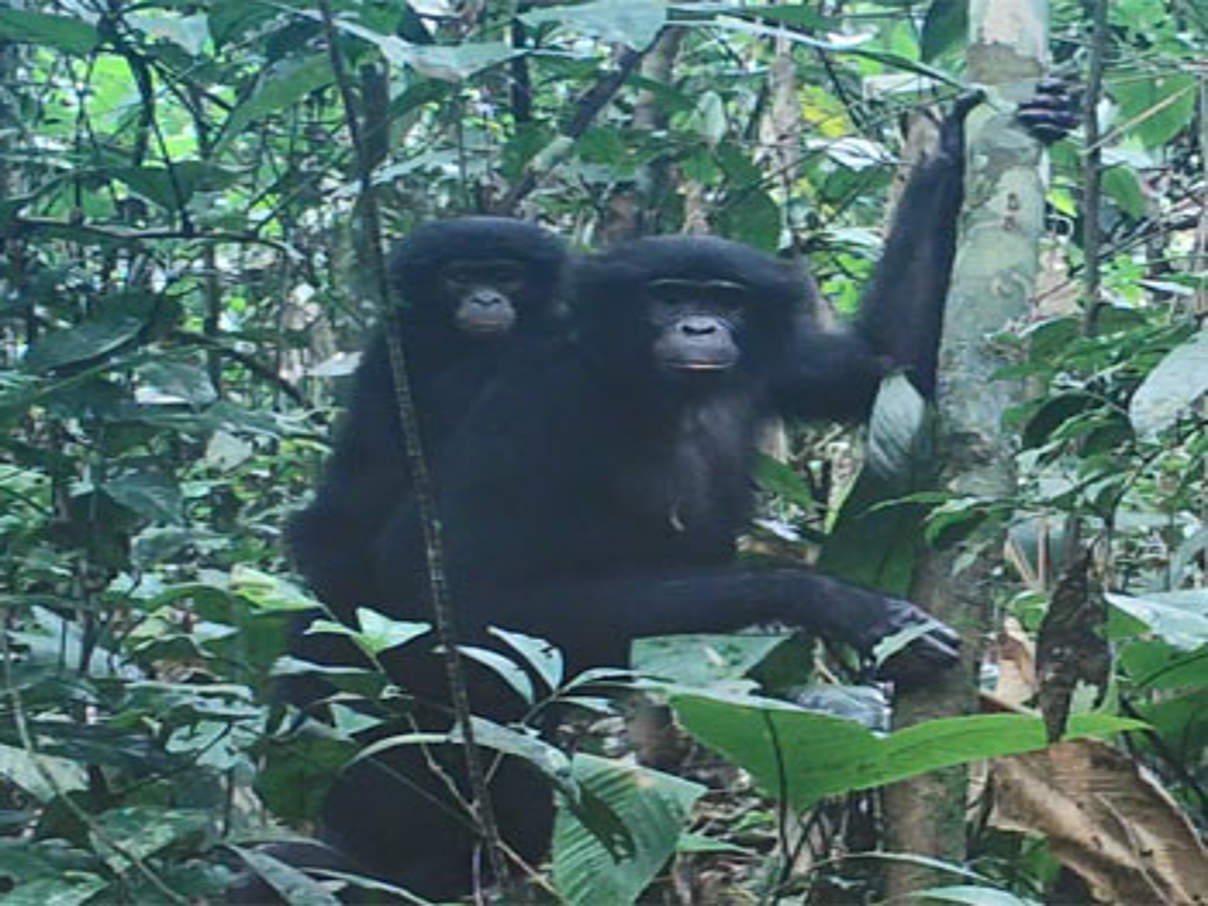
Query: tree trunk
x=993 y=283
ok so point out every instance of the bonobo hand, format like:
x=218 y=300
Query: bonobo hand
x=936 y=648
x=952 y=129
x=1051 y=113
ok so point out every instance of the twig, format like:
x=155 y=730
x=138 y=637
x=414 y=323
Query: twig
x=421 y=480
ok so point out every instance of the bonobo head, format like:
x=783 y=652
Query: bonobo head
x=479 y=278
x=687 y=310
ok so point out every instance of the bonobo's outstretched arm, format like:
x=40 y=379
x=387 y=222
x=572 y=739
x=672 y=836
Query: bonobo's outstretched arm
x=901 y=314
x=603 y=615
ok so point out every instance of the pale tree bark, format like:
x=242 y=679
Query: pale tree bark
x=993 y=284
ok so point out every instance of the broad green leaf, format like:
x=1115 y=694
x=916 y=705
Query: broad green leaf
x=945 y=26
x=152 y=494
x=803 y=756
x=1123 y=187
x=173 y=188
x=968 y=895
x=1172 y=387
x=176 y=382
x=69 y=889
x=751 y=216
x=190 y=33
x=91 y=339
x=380 y=633
x=778 y=478
x=1157 y=106
x=539 y=654
x=18 y=767
x=1178 y=617
x=503 y=667
x=702 y=659
x=64 y=32
x=651 y=805
x=448 y=63
x=295 y=886
x=281 y=86
x=634 y=23
x=875 y=545
x=142 y=831
x=269 y=592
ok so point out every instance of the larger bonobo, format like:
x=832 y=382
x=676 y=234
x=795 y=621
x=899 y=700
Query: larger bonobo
x=471 y=289
x=591 y=496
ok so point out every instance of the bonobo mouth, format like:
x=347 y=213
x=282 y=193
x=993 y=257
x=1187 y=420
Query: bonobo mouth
x=700 y=366
x=485 y=325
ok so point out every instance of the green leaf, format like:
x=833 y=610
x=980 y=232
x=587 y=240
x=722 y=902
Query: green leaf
x=284 y=84
x=190 y=33
x=873 y=545
x=69 y=889
x=142 y=831
x=295 y=886
x=109 y=330
x=269 y=592
x=1124 y=188
x=378 y=632
x=802 y=756
x=1158 y=106
x=503 y=667
x=751 y=216
x=448 y=63
x=67 y=34
x=176 y=382
x=1172 y=387
x=172 y=188
x=973 y=896
x=634 y=23
x=946 y=25
x=651 y=805
x=1179 y=617
x=701 y=659
x=152 y=494
x=541 y=655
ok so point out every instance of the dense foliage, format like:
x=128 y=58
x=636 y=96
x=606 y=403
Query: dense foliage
x=185 y=270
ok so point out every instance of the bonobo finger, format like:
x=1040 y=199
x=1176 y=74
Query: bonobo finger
x=1051 y=113
x=965 y=102
x=936 y=647
x=952 y=130
x=920 y=661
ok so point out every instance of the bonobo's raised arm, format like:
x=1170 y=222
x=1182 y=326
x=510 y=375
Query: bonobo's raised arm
x=835 y=375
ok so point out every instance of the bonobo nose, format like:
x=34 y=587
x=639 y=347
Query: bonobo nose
x=698 y=327
x=487 y=299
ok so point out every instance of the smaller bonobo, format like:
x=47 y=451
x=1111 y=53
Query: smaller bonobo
x=471 y=290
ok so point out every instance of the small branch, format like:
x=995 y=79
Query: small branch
x=22 y=225
x=1092 y=169
x=442 y=611
x=586 y=110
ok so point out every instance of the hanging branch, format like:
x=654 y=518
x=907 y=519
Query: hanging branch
x=421 y=479
x=1092 y=169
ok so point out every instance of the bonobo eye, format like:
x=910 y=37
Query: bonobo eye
x=679 y=290
x=500 y=273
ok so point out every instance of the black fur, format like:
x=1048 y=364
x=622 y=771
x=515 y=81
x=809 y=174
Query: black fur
x=448 y=366
x=590 y=492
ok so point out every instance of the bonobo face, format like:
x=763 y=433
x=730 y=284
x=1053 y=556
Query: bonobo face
x=484 y=295
x=696 y=323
